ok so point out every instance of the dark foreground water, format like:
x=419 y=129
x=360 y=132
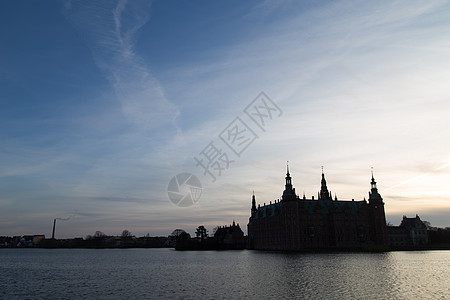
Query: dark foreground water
x=168 y=274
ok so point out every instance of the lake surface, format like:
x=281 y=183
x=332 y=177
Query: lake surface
x=170 y=274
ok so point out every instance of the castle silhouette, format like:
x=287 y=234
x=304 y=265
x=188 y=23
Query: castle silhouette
x=294 y=223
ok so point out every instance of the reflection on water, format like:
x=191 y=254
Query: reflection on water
x=165 y=273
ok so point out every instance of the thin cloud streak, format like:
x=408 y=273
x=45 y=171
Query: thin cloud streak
x=417 y=177
x=110 y=33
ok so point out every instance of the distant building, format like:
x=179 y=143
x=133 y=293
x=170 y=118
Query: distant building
x=31 y=240
x=294 y=223
x=230 y=237
x=411 y=232
x=7 y=241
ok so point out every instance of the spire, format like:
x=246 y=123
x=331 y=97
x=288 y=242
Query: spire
x=289 y=191
x=288 y=180
x=253 y=210
x=373 y=183
x=373 y=194
x=323 y=182
x=324 y=194
x=287 y=167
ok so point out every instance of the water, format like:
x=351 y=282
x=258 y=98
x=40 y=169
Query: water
x=169 y=274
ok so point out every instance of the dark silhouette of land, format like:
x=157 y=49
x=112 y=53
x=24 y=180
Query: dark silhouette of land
x=223 y=238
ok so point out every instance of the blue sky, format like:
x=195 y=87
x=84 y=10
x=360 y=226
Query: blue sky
x=102 y=104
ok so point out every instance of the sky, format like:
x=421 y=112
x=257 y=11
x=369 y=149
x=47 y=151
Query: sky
x=104 y=104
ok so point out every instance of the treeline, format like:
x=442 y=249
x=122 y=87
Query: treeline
x=101 y=240
x=108 y=242
x=224 y=238
x=97 y=240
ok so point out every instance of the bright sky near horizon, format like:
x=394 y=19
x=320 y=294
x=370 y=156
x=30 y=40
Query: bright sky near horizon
x=102 y=103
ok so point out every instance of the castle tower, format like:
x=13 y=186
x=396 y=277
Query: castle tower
x=253 y=210
x=289 y=191
x=374 y=196
x=324 y=194
x=378 y=215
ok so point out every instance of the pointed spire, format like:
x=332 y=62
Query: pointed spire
x=253 y=210
x=324 y=194
x=323 y=182
x=373 y=194
x=373 y=183
x=289 y=191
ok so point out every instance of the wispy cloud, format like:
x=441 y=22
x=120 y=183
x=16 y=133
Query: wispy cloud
x=416 y=178
x=110 y=29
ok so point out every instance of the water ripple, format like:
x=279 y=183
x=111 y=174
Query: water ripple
x=168 y=274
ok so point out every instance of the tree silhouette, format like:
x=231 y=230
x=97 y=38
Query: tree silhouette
x=201 y=232
x=177 y=233
x=125 y=234
x=98 y=235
